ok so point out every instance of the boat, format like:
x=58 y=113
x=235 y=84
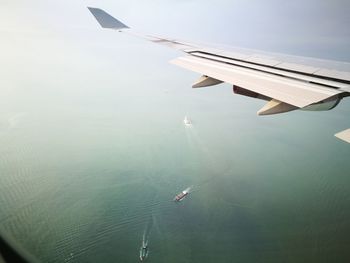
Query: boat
x=143 y=251
x=187 y=121
x=179 y=197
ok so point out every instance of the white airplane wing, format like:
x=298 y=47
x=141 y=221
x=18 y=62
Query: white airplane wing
x=285 y=82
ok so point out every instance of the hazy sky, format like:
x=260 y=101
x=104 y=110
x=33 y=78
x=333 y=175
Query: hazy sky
x=312 y=27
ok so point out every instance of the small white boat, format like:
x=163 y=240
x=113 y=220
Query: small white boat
x=187 y=121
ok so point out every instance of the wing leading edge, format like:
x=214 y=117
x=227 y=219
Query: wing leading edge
x=286 y=82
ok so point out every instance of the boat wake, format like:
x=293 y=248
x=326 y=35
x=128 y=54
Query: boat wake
x=145 y=239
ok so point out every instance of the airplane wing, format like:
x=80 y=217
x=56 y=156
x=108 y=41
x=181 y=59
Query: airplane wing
x=285 y=82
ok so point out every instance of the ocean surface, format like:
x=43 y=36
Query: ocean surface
x=93 y=149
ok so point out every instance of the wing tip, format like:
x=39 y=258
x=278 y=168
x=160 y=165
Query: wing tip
x=105 y=19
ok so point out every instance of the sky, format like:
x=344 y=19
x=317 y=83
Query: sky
x=310 y=28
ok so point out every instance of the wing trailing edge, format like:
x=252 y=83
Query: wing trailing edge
x=290 y=91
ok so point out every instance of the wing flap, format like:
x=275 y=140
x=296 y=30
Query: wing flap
x=293 y=92
x=333 y=70
x=265 y=68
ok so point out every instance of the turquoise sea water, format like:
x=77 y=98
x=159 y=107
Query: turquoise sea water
x=89 y=154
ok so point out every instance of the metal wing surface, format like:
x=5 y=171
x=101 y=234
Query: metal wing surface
x=296 y=81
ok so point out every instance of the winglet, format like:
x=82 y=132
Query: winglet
x=106 y=20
